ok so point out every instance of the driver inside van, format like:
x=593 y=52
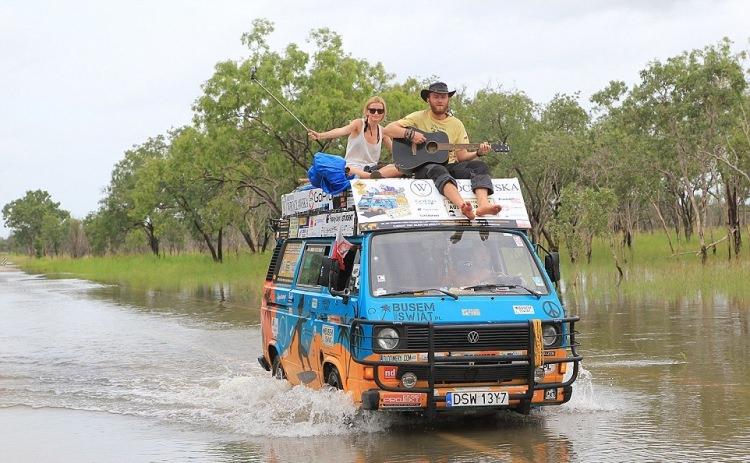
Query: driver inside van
x=468 y=267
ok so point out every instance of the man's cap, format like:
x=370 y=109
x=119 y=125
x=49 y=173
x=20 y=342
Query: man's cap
x=437 y=87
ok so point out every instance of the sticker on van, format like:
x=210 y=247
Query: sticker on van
x=523 y=309
x=327 y=335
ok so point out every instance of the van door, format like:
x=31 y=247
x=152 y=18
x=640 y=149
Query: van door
x=336 y=312
x=305 y=302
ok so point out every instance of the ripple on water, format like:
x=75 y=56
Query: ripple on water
x=638 y=363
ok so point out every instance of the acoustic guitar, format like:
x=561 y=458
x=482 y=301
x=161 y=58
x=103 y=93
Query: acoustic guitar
x=434 y=150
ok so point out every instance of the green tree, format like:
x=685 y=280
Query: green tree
x=555 y=154
x=38 y=224
x=686 y=106
x=180 y=185
x=119 y=208
x=619 y=161
x=99 y=232
x=584 y=213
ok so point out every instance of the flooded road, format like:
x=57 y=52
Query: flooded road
x=97 y=373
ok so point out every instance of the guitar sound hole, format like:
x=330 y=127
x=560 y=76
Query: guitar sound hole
x=431 y=147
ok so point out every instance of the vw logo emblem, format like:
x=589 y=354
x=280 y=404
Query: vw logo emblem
x=472 y=337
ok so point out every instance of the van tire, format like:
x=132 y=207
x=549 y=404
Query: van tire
x=277 y=370
x=333 y=379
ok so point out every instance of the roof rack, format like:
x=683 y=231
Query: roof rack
x=389 y=204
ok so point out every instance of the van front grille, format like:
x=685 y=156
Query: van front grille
x=458 y=339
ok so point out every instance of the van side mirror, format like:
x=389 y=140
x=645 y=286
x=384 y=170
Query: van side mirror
x=329 y=272
x=329 y=275
x=552 y=266
x=324 y=278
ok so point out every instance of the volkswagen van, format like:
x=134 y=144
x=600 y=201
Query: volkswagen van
x=424 y=311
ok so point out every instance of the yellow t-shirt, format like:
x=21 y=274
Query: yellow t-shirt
x=453 y=127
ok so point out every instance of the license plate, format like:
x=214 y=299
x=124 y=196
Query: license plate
x=398 y=357
x=476 y=399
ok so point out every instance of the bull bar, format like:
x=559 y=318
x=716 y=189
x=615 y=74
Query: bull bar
x=497 y=362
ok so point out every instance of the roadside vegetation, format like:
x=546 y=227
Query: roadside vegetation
x=650 y=271
x=151 y=272
x=651 y=176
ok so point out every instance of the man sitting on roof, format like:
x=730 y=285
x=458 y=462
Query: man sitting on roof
x=461 y=163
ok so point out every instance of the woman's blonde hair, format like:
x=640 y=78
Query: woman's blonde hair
x=375 y=99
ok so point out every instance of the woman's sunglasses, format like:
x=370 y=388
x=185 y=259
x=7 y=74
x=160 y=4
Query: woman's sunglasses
x=375 y=110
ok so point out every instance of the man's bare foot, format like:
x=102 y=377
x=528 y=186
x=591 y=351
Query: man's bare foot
x=490 y=209
x=467 y=210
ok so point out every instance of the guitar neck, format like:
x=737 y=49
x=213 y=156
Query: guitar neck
x=457 y=146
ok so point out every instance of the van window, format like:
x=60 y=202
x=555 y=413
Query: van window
x=312 y=262
x=292 y=251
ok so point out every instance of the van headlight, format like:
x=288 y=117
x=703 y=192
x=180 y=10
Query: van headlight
x=387 y=338
x=550 y=335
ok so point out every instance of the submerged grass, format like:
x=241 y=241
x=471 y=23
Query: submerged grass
x=650 y=270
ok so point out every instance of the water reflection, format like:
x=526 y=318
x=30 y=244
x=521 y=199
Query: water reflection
x=497 y=437
x=219 y=303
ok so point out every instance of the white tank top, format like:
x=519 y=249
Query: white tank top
x=360 y=153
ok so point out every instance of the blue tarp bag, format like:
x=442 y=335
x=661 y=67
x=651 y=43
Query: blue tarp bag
x=327 y=173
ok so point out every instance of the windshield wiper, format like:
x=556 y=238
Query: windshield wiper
x=503 y=285
x=415 y=291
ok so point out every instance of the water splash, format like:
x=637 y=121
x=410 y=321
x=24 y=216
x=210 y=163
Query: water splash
x=263 y=406
x=587 y=399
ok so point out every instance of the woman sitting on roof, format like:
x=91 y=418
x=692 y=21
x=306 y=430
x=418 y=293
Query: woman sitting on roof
x=365 y=141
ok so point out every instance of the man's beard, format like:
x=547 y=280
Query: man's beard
x=439 y=111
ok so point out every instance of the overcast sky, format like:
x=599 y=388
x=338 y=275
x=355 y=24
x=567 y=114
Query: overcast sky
x=83 y=81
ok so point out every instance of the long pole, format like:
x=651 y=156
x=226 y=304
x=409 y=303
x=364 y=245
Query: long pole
x=252 y=77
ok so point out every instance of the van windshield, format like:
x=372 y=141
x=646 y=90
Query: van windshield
x=460 y=261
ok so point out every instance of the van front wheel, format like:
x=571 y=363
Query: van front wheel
x=333 y=379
